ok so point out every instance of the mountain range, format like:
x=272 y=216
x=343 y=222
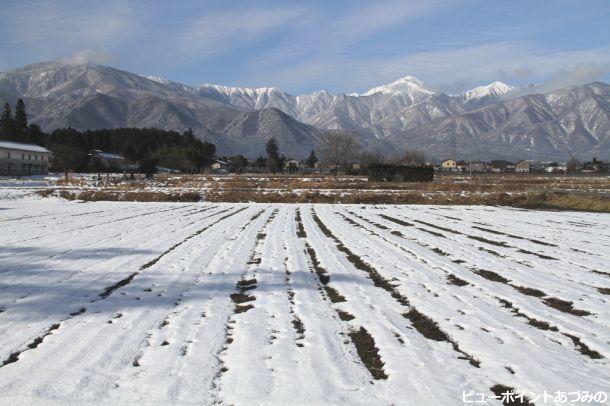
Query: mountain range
x=487 y=122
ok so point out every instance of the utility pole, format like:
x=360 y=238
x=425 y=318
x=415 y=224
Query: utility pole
x=470 y=165
x=565 y=169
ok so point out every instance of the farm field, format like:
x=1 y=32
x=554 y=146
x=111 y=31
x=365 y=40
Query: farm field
x=203 y=303
x=587 y=192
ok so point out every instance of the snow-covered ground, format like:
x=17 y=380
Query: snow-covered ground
x=155 y=303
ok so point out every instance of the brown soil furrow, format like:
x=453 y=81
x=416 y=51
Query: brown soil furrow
x=368 y=352
x=14 y=357
x=423 y=324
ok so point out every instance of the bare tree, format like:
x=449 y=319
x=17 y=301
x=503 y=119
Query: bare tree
x=413 y=157
x=372 y=157
x=572 y=165
x=338 y=148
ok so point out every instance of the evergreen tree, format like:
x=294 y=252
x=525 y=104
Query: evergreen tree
x=188 y=134
x=148 y=167
x=311 y=161
x=21 y=121
x=238 y=162
x=35 y=134
x=7 y=124
x=139 y=145
x=272 y=148
x=274 y=162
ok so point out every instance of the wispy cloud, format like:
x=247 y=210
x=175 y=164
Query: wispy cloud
x=90 y=56
x=580 y=74
x=305 y=29
x=36 y=30
x=319 y=33
x=451 y=70
x=221 y=32
x=576 y=75
x=348 y=45
x=360 y=22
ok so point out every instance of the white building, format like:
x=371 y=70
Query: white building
x=17 y=159
x=522 y=167
x=448 y=165
x=219 y=164
x=291 y=166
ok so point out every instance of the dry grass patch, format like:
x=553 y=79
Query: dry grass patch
x=368 y=352
x=564 y=306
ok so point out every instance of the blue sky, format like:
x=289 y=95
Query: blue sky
x=302 y=46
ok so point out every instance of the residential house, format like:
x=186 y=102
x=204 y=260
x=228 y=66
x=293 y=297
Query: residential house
x=107 y=160
x=162 y=169
x=18 y=159
x=448 y=165
x=219 y=164
x=478 y=166
x=502 y=166
x=461 y=166
x=537 y=167
x=522 y=167
x=595 y=166
x=553 y=167
x=252 y=166
x=291 y=166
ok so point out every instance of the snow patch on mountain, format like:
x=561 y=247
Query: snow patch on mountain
x=407 y=85
x=494 y=89
x=157 y=79
x=240 y=91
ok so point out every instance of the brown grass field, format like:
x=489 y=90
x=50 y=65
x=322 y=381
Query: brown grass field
x=590 y=192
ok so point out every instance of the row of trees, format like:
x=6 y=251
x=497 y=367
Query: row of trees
x=275 y=162
x=147 y=146
x=183 y=151
x=72 y=148
x=338 y=149
x=16 y=128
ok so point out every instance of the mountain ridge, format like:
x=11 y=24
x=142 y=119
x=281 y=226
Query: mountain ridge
x=402 y=114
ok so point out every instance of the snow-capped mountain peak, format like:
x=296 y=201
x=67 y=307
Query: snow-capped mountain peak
x=243 y=91
x=250 y=98
x=157 y=79
x=407 y=85
x=402 y=114
x=496 y=88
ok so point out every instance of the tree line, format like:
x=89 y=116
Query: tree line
x=16 y=128
x=149 y=147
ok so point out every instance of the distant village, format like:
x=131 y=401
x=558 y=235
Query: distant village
x=131 y=151
x=21 y=159
x=523 y=166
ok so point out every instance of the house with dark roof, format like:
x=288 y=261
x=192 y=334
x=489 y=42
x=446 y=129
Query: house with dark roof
x=478 y=166
x=108 y=161
x=595 y=166
x=502 y=166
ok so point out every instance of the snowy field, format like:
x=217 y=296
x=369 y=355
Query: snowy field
x=155 y=303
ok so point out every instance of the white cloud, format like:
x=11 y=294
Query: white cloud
x=576 y=75
x=35 y=30
x=89 y=56
x=298 y=45
x=220 y=32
